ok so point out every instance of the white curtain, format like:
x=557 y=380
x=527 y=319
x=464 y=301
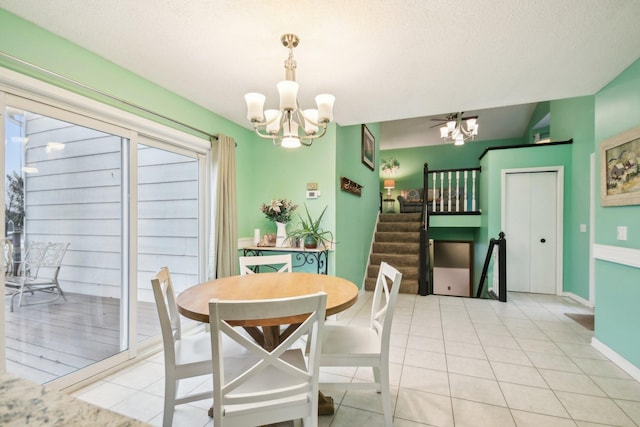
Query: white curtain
x=224 y=242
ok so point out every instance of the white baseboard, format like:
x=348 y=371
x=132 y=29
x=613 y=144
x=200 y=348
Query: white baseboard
x=623 y=363
x=577 y=299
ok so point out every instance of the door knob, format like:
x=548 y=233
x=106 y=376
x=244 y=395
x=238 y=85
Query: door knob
x=543 y=240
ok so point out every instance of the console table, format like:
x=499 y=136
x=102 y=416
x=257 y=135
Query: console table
x=300 y=256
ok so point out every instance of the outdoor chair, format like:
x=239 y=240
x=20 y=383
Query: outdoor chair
x=269 y=261
x=359 y=346
x=38 y=272
x=265 y=387
x=6 y=261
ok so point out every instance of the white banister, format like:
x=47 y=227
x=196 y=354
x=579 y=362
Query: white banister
x=449 y=190
x=441 y=191
x=473 y=190
x=457 y=191
x=466 y=191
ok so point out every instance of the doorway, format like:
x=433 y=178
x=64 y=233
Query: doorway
x=532 y=222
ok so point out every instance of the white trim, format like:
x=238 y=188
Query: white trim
x=617 y=254
x=577 y=299
x=592 y=229
x=373 y=240
x=559 y=170
x=620 y=361
x=28 y=87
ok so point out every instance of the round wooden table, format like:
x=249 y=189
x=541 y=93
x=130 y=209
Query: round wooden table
x=341 y=294
x=194 y=301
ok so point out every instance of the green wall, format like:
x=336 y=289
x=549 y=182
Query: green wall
x=444 y=156
x=357 y=216
x=267 y=172
x=574 y=119
x=617 y=108
x=30 y=43
x=491 y=183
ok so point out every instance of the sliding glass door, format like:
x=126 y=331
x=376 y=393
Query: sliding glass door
x=124 y=205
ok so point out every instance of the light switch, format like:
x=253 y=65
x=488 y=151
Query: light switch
x=583 y=228
x=622 y=233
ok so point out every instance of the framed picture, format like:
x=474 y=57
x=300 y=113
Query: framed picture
x=368 y=148
x=619 y=169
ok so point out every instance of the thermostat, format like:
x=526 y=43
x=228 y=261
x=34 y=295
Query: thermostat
x=312 y=186
x=313 y=194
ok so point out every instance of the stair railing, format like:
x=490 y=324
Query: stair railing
x=453 y=190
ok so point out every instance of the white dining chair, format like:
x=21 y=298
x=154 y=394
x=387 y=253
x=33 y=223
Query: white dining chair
x=273 y=261
x=184 y=356
x=367 y=346
x=264 y=387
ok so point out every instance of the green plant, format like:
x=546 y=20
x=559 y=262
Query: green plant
x=310 y=231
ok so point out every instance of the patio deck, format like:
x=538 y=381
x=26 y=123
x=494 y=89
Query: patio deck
x=47 y=341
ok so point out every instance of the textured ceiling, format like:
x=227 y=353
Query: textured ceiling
x=383 y=60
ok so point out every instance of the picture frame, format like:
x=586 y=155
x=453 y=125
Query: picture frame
x=368 y=148
x=620 y=169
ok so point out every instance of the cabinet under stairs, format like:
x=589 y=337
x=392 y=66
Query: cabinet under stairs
x=397 y=242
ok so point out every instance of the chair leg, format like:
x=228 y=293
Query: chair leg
x=376 y=377
x=170 y=390
x=385 y=395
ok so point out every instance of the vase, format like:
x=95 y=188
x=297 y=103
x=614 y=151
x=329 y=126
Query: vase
x=281 y=234
x=310 y=242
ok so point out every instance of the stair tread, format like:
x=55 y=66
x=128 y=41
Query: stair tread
x=396 y=241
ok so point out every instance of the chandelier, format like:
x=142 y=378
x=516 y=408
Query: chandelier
x=455 y=132
x=290 y=126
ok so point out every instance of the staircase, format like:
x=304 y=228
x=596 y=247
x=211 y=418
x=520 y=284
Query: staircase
x=397 y=242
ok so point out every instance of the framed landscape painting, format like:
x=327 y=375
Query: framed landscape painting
x=620 y=169
x=368 y=148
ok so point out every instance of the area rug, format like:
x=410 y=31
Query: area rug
x=585 y=320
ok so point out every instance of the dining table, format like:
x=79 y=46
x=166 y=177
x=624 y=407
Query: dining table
x=193 y=303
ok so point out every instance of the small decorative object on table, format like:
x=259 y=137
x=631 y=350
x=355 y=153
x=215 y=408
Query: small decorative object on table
x=279 y=211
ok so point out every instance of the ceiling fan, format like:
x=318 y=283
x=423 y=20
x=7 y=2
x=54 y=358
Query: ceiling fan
x=451 y=117
x=454 y=131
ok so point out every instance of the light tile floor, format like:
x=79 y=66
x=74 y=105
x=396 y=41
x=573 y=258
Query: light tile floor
x=454 y=362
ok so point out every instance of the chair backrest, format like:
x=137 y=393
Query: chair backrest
x=52 y=260
x=33 y=257
x=270 y=261
x=265 y=379
x=6 y=260
x=384 y=302
x=167 y=312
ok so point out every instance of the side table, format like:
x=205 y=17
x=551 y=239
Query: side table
x=300 y=256
x=391 y=205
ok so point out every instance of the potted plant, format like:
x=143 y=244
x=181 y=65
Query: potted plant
x=311 y=233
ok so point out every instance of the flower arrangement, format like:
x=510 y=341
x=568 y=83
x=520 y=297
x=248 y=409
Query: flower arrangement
x=278 y=210
x=390 y=165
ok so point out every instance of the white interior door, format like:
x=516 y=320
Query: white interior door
x=531 y=215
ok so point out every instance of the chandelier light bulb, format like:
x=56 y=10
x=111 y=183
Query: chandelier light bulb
x=273 y=121
x=290 y=142
x=310 y=121
x=325 y=107
x=255 y=104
